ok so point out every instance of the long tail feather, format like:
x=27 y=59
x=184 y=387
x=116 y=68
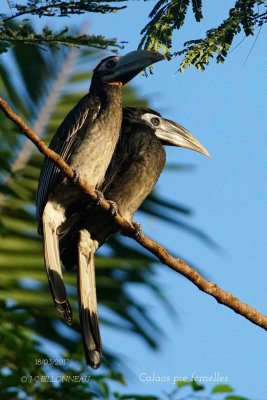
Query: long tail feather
x=54 y=272
x=88 y=301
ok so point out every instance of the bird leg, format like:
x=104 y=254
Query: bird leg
x=138 y=229
x=137 y=232
x=114 y=210
x=100 y=197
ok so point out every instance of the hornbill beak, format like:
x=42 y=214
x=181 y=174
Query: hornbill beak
x=173 y=134
x=131 y=64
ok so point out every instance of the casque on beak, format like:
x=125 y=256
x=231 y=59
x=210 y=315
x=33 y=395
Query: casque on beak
x=173 y=134
x=131 y=64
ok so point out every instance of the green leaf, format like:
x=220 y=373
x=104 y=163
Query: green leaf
x=135 y=397
x=181 y=384
x=104 y=389
x=197 y=9
x=233 y=397
x=222 y=389
x=196 y=386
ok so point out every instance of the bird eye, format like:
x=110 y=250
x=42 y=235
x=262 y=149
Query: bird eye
x=111 y=63
x=155 y=121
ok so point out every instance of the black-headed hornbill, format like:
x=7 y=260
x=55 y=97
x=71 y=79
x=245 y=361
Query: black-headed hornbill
x=134 y=170
x=86 y=140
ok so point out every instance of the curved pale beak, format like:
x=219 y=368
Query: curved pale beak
x=131 y=64
x=173 y=134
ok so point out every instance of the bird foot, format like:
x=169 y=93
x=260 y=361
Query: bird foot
x=113 y=208
x=138 y=229
x=133 y=233
x=76 y=177
x=100 y=197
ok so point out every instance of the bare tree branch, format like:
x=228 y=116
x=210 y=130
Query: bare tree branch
x=128 y=229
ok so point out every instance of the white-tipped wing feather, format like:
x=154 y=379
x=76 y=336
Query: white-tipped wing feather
x=88 y=300
x=53 y=267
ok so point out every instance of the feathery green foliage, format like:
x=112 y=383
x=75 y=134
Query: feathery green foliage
x=166 y=17
x=28 y=372
x=219 y=40
x=11 y=34
x=169 y=15
x=53 y=8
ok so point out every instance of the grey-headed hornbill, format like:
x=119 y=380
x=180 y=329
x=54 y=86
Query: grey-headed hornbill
x=134 y=170
x=86 y=140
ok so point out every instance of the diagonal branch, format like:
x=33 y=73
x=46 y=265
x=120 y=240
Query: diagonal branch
x=128 y=229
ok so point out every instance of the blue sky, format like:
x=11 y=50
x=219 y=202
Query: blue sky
x=225 y=108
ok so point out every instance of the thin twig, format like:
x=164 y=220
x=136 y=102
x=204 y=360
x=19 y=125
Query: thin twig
x=176 y=264
x=257 y=16
x=253 y=45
